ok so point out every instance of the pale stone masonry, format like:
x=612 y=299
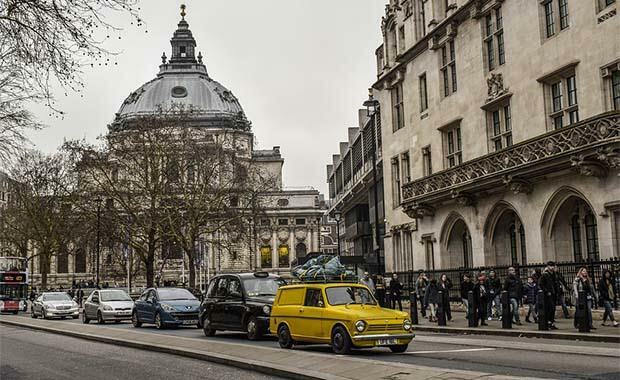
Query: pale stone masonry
x=501 y=131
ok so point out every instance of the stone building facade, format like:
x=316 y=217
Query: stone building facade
x=501 y=131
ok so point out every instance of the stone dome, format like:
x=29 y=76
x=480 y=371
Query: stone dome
x=183 y=80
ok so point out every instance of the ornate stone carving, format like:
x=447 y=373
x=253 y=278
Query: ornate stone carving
x=610 y=156
x=390 y=14
x=462 y=199
x=517 y=185
x=599 y=132
x=134 y=96
x=283 y=235
x=301 y=234
x=265 y=236
x=419 y=211
x=590 y=168
x=495 y=86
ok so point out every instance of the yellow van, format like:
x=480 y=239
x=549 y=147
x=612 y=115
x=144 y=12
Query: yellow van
x=344 y=315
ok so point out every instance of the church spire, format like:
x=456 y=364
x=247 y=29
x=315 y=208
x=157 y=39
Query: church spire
x=183 y=43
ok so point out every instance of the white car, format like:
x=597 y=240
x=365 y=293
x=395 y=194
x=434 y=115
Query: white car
x=107 y=305
x=55 y=305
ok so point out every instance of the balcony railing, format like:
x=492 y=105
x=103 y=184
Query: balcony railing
x=591 y=146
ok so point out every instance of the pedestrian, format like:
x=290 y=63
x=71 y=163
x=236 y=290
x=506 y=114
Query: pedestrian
x=494 y=287
x=547 y=285
x=395 y=292
x=481 y=299
x=431 y=298
x=514 y=286
x=560 y=286
x=607 y=297
x=367 y=281
x=466 y=286
x=80 y=296
x=582 y=283
x=420 y=287
x=380 y=290
x=530 y=290
x=445 y=285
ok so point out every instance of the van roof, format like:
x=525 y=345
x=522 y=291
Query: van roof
x=321 y=285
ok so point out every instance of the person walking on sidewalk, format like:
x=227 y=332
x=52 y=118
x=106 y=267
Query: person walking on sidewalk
x=531 y=291
x=481 y=299
x=494 y=287
x=466 y=286
x=431 y=299
x=420 y=287
x=547 y=285
x=514 y=287
x=582 y=283
x=445 y=285
x=380 y=290
x=396 y=289
x=607 y=297
x=560 y=286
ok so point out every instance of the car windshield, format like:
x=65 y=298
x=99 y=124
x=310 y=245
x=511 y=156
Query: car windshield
x=56 y=297
x=346 y=295
x=114 y=295
x=255 y=287
x=175 y=294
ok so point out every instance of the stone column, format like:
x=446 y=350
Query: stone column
x=274 y=248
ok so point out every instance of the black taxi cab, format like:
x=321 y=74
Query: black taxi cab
x=239 y=302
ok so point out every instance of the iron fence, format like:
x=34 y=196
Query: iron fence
x=566 y=271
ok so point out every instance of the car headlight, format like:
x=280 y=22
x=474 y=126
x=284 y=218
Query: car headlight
x=167 y=307
x=267 y=309
x=1 y=305
x=75 y=304
x=107 y=308
x=50 y=306
x=360 y=326
x=407 y=325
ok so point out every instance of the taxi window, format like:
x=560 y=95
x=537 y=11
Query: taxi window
x=314 y=298
x=291 y=296
x=212 y=288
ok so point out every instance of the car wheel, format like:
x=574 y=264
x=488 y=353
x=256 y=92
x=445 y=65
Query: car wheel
x=134 y=320
x=341 y=342
x=44 y=314
x=100 y=319
x=253 y=329
x=85 y=319
x=206 y=327
x=399 y=348
x=158 y=322
x=284 y=337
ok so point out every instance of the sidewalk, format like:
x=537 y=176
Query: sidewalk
x=566 y=330
x=296 y=364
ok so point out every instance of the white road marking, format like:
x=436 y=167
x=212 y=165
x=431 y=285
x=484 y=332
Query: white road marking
x=447 y=351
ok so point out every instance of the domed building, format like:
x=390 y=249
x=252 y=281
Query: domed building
x=289 y=228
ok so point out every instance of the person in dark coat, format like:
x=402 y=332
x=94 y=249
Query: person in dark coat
x=547 y=285
x=466 y=286
x=431 y=298
x=530 y=290
x=396 y=289
x=420 y=287
x=445 y=285
x=80 y=296
x=560 y=286
x=607 y=297
x=481 y=299
x=494 y=287
x=380 y=290
x=583 y=283
x=514 y=286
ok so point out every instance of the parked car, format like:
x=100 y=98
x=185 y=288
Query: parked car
x=54 y=304
x=166 y=307
x=107 y=305
x=346 y=316
x=239 y=302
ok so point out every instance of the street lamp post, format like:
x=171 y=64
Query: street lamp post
x=372 y=106
x=98 y=249
x=337 y=216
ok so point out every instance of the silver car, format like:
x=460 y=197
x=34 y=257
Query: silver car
x=107 y=305
x=55 y=305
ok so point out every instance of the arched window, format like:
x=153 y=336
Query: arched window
x=283 y=256
x=523 y=250
x=576 y=232
x=467 y=254
x=80 y=261
x=265 y=256
x=513 y=244
x=300 y=249
x=62 y=263
x=591 y=236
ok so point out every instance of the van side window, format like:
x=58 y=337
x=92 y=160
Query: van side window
x=222 y=284
x=291 y=297
x=212 y=288
x=313 y=298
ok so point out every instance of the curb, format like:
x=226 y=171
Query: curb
x=520 y=333
x=252 y=365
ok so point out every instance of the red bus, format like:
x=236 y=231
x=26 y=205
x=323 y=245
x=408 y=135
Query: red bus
x=13 y=284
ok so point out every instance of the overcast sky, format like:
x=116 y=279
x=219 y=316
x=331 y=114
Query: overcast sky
x=300 y=68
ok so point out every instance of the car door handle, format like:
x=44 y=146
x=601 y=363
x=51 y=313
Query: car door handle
x=301 y=310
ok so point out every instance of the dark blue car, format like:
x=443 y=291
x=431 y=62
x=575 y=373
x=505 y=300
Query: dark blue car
x=166 y=307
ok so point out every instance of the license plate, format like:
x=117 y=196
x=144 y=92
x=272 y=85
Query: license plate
x=387 y=342
x=191 y=322
x=122 y=313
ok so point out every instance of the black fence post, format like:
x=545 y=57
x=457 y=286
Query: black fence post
x=542 y=315
x=413 y=308
x=506 y=314
x=581 y=313
x=472 y=312
x=441 y=310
